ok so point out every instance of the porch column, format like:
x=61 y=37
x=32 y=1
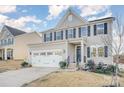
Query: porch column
x=5 y=54
x=66 y=50
x=0 y=54
x=82 y=52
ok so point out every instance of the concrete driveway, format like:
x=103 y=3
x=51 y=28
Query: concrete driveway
x=19 y=77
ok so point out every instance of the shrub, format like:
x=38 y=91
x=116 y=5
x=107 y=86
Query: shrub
x=91 y=65
x=62 y=64
x=105 y=69
x=0 y=58
x=100 y=68
x=100 y=65
x=25 y=64
x=111 y=68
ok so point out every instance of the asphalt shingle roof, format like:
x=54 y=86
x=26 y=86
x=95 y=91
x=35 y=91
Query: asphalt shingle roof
x=14 y=31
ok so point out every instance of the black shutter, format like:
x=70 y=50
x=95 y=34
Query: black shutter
x=105 y=28
x=66 y=34
x=61 y=35
x=74 y=32
x=79 y=32
x=88 y=30
x=106 y=51
x=54 y=35
x=88 y=52
x=44 y=37
x=51 y=36
x=94 y=30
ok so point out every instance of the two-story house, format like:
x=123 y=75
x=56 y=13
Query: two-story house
x=13 y=43
x=74 y=39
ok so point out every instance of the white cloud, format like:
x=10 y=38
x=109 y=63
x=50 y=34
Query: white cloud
x=28 y=29
x=55 y=10
x=20 y=22
x=7 y=9
x=3 y=18
x=107 y=14
x=45 y=23
x=104 y=16
x=88 y=10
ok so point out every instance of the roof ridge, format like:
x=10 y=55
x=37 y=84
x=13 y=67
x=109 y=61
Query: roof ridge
x=14 y=31
x=13 y=28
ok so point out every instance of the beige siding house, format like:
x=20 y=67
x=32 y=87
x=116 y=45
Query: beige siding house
x=13 y=43
x=73 y=40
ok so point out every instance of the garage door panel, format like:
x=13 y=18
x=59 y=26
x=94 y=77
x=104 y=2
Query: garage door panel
x=46 y=61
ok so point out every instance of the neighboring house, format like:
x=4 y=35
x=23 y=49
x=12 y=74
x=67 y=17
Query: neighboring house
x=73 y=38
x=13 y=43
x=121 y=61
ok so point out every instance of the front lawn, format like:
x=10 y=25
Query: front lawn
x=73 y=79
x=9 y=65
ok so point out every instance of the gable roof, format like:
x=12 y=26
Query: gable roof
x=113 y=18
x=14 y=31
x=66 y=14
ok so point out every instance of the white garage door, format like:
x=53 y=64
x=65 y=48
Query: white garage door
x=46 y=58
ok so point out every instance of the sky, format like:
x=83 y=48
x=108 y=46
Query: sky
x=42 y=17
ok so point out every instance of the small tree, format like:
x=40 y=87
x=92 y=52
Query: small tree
x=116 y=43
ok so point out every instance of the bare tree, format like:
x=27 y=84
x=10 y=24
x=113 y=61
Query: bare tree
x=115 y=41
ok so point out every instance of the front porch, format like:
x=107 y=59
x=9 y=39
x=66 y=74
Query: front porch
x=6 y=54
x=76 y=53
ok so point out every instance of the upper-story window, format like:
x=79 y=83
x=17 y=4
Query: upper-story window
x=9 y=41
x=82 y=31
x=70 y=33
x=5 y=42
x=58 y=35
x=1 y=42
x=100 y=29
x=48 y=37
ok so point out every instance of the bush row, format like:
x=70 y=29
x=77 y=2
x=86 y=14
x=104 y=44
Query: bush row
x=100 y=68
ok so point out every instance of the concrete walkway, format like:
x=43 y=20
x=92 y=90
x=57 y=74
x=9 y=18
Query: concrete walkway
x=19 y=77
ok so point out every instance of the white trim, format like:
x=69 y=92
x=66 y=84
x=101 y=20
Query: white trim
x=75 y=14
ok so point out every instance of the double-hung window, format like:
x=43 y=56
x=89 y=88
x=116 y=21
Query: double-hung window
x=83 y=31
x=70 y=33
x=94 y=52
x=5 y=42
x=58 y=35
x=100 y=28
x=100 y=51
x=2 y=42
x=48 y=37
x=9 y=41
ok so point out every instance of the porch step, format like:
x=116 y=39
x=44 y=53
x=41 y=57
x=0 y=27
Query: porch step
x=72 y=66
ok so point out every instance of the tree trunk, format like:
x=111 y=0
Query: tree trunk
x=116 y=72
